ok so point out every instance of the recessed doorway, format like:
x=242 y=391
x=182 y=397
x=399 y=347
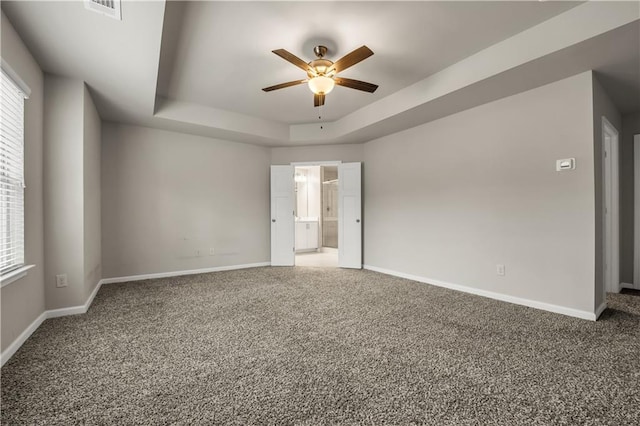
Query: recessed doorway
x=316 y=215
x=287 y=212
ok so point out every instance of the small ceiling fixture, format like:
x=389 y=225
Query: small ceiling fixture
x=322 y=72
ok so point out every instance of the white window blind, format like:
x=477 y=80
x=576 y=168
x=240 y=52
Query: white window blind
x=11 y=176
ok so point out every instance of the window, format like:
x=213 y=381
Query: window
x=11 y=176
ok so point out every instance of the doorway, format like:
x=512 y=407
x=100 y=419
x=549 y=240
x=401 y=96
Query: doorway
x=611 y=226
x=288 y=212
x=316 y=215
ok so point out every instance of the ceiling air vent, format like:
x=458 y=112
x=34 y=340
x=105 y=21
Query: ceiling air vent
x=111 y=8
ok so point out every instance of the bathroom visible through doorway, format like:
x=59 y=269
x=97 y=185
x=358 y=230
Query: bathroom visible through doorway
x=316 y=216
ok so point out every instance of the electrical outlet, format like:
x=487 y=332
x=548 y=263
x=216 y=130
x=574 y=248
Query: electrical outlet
x=212 y=251
x=500 y=269
x=61 y=280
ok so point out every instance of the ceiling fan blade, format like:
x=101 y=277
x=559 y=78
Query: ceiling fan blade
x=360 y=54
x=318 y=100
x=288 y=56
x=356 y=84
x=283 y=85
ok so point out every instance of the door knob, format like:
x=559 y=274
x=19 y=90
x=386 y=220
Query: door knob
x=357 y=220
x=273 y=220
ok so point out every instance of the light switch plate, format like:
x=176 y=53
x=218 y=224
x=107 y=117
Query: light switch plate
x=565 y=164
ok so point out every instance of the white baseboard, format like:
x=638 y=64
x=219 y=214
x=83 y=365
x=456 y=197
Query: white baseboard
x=601 y=309
x=179 y=273
x=81 y=309
x=52 y=313
x=15 y=345
x=75 y=310
x=627 y=285
x=592 y=316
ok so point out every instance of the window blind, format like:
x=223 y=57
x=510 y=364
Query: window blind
x=11 y=175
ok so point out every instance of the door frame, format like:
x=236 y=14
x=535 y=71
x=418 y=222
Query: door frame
x=636 y=212
x=320 y=164
x=610 y=207
x=315 y=163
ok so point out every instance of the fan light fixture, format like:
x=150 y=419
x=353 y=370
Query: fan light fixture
x=322 y=72
x=321 y=85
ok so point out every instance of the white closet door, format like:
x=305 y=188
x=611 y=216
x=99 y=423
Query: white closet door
x=282 y=220
x=636 y=251
x=350 y=215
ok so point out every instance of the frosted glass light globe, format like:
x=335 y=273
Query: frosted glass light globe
x=321 y=85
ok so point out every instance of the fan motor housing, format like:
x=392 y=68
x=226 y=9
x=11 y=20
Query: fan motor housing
x=321 y=66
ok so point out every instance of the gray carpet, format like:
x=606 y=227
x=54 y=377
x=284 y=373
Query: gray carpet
x=322 y=346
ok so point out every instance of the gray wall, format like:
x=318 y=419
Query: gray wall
x=301 y=154
x=450 y=199
x=23 y=300
x=63 y=192
x=167 y=196
x=72 y=191
x=602 y=107
x=630 y=127
x=92 y=223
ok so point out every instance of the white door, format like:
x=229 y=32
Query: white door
x=611 y=264
x=636 y=251
x=350 y=215
x=607 y=228
x=282 y=220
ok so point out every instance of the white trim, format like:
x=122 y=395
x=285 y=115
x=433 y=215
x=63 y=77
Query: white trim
x=179 y=273
x=611 y=243
x=601 y=309
x=26 y=90
x=627 y=285
x=308 y=250
x=65 y=312
x=490 y=294
x=81 y=309
x=53 y=313
x=636 y=212
x=92 y=296
x=15 y=345
x=15 y=275
x=316 y=163
x=75 y=310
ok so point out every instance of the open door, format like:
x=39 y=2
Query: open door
x=350 y=215
x=636 y=214
x=282 y=219
x=610 y=213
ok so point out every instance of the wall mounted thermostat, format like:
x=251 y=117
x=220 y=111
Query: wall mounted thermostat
x=565 y=164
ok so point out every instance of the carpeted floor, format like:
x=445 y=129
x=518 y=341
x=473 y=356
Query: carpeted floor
x=322 y=346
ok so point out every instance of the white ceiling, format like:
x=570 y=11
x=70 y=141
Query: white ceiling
x=117 y=59
x=199 y=67
x=223 y=56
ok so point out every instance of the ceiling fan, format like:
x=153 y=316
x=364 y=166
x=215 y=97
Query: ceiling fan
x=322 y=72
